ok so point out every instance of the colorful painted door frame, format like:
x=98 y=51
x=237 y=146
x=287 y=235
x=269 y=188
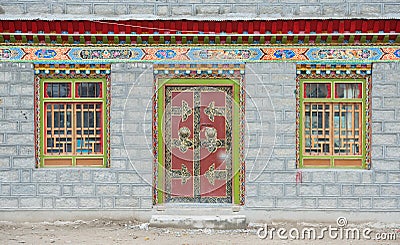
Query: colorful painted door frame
x=200 y=177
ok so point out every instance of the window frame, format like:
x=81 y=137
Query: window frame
x=332 y=100
x=89 y=160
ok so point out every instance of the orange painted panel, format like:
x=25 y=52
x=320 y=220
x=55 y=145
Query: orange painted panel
x=316 y=162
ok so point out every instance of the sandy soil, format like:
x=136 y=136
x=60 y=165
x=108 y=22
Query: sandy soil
x=128 y=232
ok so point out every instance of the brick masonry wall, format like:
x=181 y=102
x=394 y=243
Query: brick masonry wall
x=270 y=148
x=270 y=158
x=123 y=186
x=204 y=8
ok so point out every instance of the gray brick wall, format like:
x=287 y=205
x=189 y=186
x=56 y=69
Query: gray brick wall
x=204 y=8
x=125 y=185
x=270 y=148
x=270 y=158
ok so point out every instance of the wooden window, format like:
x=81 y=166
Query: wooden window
x=73 y=123
x=332 y=123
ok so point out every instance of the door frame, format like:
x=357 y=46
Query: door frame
x=237 y=133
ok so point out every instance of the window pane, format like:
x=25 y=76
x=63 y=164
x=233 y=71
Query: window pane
x=78 y=119
x=98 y=119
x=348 y=90
x=58 y=128
x=347 y=121
x=317 y=90
x=88 y=139
x=89 y=90
x=316 y=129
x=88 y=120
x=58 y=90
x=49 y=119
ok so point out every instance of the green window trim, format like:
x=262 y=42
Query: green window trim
x=326 y=108
x=81 y=126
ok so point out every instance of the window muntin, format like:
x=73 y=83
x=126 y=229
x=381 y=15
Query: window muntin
x=332 y=128
x=71 y=135
x=73 y=125
x=332 y=123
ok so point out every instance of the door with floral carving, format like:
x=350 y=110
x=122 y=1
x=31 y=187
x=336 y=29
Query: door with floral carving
x=198 y=143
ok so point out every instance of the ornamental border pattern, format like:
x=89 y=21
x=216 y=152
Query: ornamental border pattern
x=68 y=72
x=200 y=54
x=338 y=71
x=202 y=71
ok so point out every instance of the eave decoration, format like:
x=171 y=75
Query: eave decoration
x=180 y=41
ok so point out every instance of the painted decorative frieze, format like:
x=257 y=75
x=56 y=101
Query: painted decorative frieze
x=206 y=54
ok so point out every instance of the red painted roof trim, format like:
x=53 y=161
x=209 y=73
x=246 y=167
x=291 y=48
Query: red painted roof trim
x=311 y=26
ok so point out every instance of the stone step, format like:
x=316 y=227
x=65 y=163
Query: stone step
x=199 y=221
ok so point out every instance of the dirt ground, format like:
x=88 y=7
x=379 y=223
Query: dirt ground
x=128 y=232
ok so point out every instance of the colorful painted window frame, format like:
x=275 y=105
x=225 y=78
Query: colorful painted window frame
x=332 y=107
x=72 y=128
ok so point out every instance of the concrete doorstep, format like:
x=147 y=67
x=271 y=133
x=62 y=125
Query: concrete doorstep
x=199 y=221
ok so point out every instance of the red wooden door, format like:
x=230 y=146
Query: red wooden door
x=198 y=139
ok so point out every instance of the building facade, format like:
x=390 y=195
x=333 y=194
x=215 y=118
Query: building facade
x=271 y=110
